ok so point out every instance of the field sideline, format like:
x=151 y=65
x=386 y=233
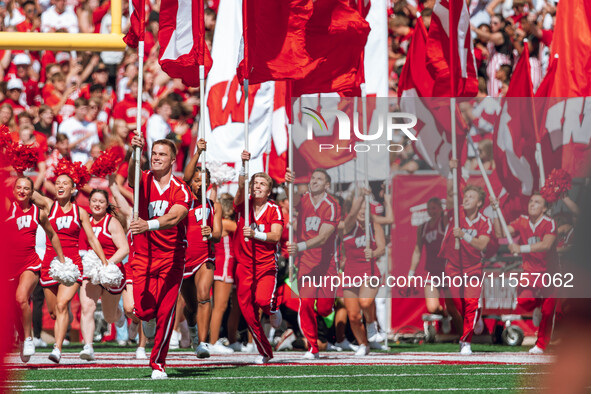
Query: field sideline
x=406 y=368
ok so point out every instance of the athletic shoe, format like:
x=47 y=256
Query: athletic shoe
x=175 y=339
x=275 y=319
x=446 y=325
x=537 y=317
x=55 y=355
x=38 y=342
x=362 y=351
x=157 y=374
x=332 y=348
x=132 y=330
x=465 y=348
x=66 y=342
x=219 y=348
x=122 y=320
x=250 y=348
x=238 y=347
x=286 y=341
x=149 y=328
x=311 y=356
x=262 y=360
x=536 y=350
x=372 y=332
x=202 y=350
x=346 y=345
x=24 y=359
x=87 y=353
x=377 y=346
x=479 y=326
x=28 y=347
x=140 y=353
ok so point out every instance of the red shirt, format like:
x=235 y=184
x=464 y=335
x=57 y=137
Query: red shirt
x=354 y=245
x=310 y=218
x=17 y=108
x=67 y=226
x=257 y=252
x=126 y=109
x=468 y=258
x=199 y=251
x=530 y=234
x=25 y=224
x=432 y=237
x=154 y=203
x=101 y=232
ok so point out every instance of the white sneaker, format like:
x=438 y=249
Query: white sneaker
x=262 y=360
x=132 y=330
x=446 y=325
x=219 y=348
x=536 y=317
x=24 y=359
x=332 y=348
x=536 y=350
x=28 y=347
x=378 y=346
x=238 y=347
x=140 y=353
x=311 y=356
x=479 y=326
x=362 y=351
x=465 y=348
x=275 y=319
x=122 y=320
x=286 y=341
x=250 y=348
x=346 y=345
x=87 y=353
x=202 y=350
x=121 y=342
x=38 y=342
x=55 y=355
x=66 y=342
x=149 y=328
x=175 y=339
x=157 y=374
x=372 y=332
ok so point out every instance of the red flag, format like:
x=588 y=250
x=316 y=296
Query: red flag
x=335 y=37
x=137 y=28
x=548 y=81
x=514 y=137
x=274 y=40
x=450 y=52
x=414 y=72
x=182 y=41
x=572 y=42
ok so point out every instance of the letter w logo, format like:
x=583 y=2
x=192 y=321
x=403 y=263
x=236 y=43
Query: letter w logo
x=157 y=208
x=63 y=222
x=24 y=221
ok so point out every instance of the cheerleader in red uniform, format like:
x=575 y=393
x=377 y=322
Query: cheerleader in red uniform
x=202 y=234
x=67 y=220
x=360 y=263
x=110 y=233
x=24 y=219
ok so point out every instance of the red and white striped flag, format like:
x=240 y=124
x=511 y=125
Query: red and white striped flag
x=181 y=38
x=450 y=51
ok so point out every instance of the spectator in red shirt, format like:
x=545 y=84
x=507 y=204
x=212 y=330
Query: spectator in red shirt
x=14 y=89
x=29 y=77
x=32 y=21
x=6 y=116
x=59 y=98
x=126 y=109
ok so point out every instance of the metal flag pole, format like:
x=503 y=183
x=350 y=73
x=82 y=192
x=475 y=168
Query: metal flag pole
x=138 y=119
x=246 y=176
x=202 y=135
x=290 y=198
x=366 y=168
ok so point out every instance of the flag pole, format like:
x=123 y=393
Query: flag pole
x=290 y=198
x=202 y=135
x=246 y=177
x=365 y=167
x=138 y=116
x=454 y=147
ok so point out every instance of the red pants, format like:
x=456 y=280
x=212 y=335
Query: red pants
x=548 y=307
x=156 y=284
x=470 y=311
x=323 y=299
x=255 y=290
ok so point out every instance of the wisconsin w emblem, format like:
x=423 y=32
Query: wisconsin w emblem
x=24 y=221
x=63 y=222
x=157 y=208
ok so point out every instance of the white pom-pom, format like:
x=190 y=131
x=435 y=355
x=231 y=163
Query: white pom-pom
x=221 y=172
x=92 y=264
x=111 y=276
x=65 y=273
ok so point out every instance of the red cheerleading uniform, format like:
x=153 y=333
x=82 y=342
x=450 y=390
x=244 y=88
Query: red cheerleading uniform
x=224 y=267
x=159 y=260
x=354 y=247
x=67 y=226
x=25 y=224
x=256 y=270
x=101 y=231
x=198 y=251
x=432 y=237
x=127 y=266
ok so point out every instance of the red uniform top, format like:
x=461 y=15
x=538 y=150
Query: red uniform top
x=101 y=232
x=468 y=257
x=199 y=251
x=154 y=203
x=432 y=237
x=532 y=233
x=310 y=218
x=254 y=251
x=354 y=245
x=25 y=224
x=67 y=226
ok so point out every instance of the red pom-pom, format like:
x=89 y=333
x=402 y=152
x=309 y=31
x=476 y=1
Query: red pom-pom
x=23 y=157
x=558 y=183
x=5 y=146
x=77 y=171
x=107 y=163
